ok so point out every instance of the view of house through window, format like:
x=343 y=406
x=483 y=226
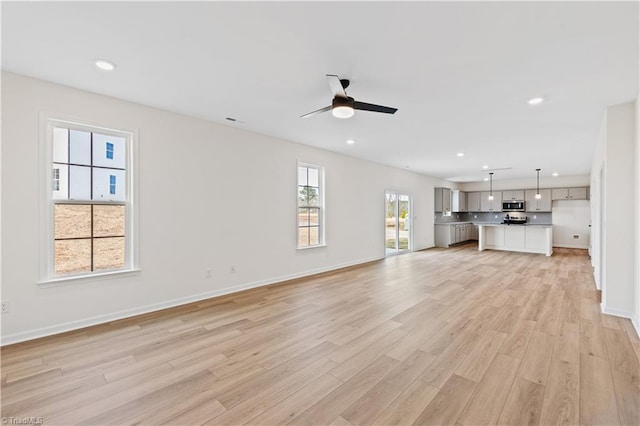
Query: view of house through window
x=89 y=196
x=310 y=232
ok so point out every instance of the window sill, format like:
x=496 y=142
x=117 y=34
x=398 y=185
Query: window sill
x=73 y=279
x=311 y=247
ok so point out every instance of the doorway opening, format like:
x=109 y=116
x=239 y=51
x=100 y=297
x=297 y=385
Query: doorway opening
x=397 y=226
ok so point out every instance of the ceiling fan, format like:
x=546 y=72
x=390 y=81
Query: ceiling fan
x=343 y=106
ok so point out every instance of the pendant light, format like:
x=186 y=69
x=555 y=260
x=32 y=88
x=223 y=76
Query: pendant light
x=491 y=186
x=538 y=195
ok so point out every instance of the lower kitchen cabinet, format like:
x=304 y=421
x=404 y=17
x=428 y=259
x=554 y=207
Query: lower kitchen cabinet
x=447 y=234
x=528 y=239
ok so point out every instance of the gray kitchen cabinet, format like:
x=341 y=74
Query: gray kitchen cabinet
x=569 y=193
x=541 y=205
x=494 y=205
x=447 y=234
x=473 y=202
x=517 y=195
x=442 y=200
x=458 y=201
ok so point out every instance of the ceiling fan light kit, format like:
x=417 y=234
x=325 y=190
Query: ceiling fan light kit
x=343 y=106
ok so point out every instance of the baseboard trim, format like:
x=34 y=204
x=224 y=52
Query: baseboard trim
x=616 y=312
x=572 y=246
x=128 y=313
x=636 y=326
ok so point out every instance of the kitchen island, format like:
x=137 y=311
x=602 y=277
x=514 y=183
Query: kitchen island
x=529 y=238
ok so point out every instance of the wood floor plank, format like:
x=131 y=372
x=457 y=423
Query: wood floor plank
x=297 y=403
x=334 y=404
x=406 y=408
x=476 y=363
x=487 y=401
x=597 y=397
x=518 y=340
x=523 y=405
x=448 y=403
x=535 y=364
x=562 y=394
x=621 y=354
x=567 y=344
x=627 y=389
x=370 y=405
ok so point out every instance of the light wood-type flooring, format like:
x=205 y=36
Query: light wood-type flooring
x=442 y=336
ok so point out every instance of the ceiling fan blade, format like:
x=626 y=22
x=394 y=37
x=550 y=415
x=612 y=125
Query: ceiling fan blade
x=375 y=108
x=318 y=111
x=336 y=85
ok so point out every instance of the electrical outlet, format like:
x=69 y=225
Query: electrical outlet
x=232 y=270
x=208 y=273
x=475 y=216
x=535 y=217
x=5 y=307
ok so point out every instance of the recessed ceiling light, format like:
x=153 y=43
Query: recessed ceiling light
x=350 y=142
x=535 y=101
x=105 y=65
x=460 y=154
x=485 y=167
x=554 y=174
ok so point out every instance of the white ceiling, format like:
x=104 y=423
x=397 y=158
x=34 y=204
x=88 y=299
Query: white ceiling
x=459 y=73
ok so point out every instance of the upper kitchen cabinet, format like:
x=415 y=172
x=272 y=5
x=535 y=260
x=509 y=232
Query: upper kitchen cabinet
x=534 y=205
x=494 y=205
x=569 y=194
x=513 y=195
x=473 y=202
x=442 y=200
x=458 y=201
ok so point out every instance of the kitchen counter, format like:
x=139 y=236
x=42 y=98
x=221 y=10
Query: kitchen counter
x=527 y=238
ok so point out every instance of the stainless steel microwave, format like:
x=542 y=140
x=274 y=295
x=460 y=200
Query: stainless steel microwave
x=513 y=206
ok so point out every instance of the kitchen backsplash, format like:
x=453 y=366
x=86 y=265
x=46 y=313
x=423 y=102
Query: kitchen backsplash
x=540 y=218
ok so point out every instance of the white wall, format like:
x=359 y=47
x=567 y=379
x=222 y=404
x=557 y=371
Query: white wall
x=615 y=196
x=211 y=196
x=571 y=218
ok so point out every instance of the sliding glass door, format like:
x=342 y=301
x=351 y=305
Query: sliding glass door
x=397 y=223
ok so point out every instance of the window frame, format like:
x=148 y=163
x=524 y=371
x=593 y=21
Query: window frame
x=321 y=206
x=47 y=227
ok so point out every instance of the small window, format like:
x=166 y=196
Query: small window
x=310 y=206
x=112 y=184
x=109 y=150
x=56 y=179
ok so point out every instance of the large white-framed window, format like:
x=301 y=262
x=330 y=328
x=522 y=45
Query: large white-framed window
x=88 y=201
x=310 y=206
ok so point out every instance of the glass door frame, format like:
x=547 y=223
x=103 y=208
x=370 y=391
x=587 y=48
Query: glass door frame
x=397 y=225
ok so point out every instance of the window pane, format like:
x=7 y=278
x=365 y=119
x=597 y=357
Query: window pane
x=314 y=238
x=108 y=221
x=108 y=253
x=108 y=151
x=310 y=196
x=60 y=182
x=313 y=216
x=303 y=217
x=313 y=177
x=60 y=145
x=302 y=176
x=303 y=237
x=72 y=221
x=79 y=147
x=72 y=256
x=80 y=183
x=108 y=184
